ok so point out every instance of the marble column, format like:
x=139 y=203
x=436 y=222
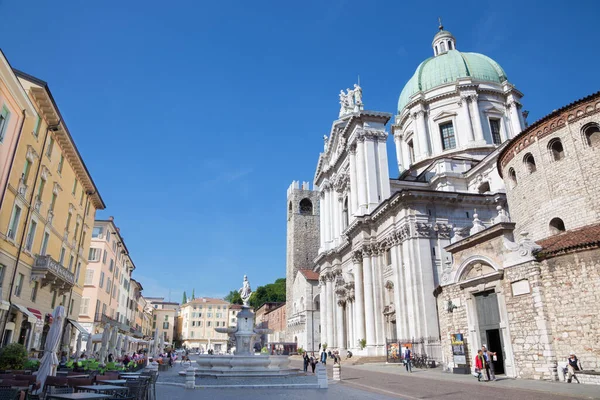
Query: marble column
x=322 y=219
x=423 y=141
x=369 y=297
x=353 y=183
x=326 y=216
x=323 y=309
x=331 y=211
x=399 y=156
x=361 y=186
x=397 y=271
x=359 y=310
x=406 y=154
x=377 y=267
x=464 y=105
x=415 y=138
x=340 y=324
x=477 y=127
x=330 y=303
x=514 y=118
x=336 y=214
x=350 y=323
x=371 y=173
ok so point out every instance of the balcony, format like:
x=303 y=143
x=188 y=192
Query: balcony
x=297 y=320
x=49 y=272
x=105 y=319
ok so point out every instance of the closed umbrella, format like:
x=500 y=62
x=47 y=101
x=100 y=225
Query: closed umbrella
x=112 y=343
x=155 y=344
x=78 y=346
x=125 y=349
x=66 y=340
x=162 y=344
x=119 y=344
x=104 y=346
x=49 y=361
x=90 y=346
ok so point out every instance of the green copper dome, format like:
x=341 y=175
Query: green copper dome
x=447 y=68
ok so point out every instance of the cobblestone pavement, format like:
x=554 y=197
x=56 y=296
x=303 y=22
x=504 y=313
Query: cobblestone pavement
x=393 y=380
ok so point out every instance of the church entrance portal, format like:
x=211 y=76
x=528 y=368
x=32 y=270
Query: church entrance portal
x=488 y=317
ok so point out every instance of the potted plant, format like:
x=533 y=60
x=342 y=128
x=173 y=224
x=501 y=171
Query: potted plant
x=13 y=356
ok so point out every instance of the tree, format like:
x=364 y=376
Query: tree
x=234 y=297
x=184 y=300
x=272 y=292
x=193 y=294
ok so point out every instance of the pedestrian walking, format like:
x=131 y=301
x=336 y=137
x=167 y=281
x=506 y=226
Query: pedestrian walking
x=306 y=361
x=490 y=357
x=479 y=364
x=313 y=362
x=324 y=358
x=407 y=361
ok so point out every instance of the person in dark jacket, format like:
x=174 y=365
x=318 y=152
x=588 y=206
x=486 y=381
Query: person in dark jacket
x=313 y=362
x=324 y=357
x=306 y=361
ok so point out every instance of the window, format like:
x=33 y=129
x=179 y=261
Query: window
x=556 y=149
x=104 y=308
x=449 y=45
x=19 y=286
x=442 y=47
x=108 y=236
x=165 y=325
x=447 y=132
x=592 y=135
x=71 y=259
x=97 y=310
x=557 y=226
x=76 y=230
x=4 y=119
x=2 y=269
x=345 y=217
x=209 y=315
x=436 y=50
x=114 y=245
x=484 y=188
x=306 y=207
x=30 y=235
x=34 y=291
x=512 y=175
x=84 y=309
x=74 y=187
x=53 y=202
x=166 y=317
x=193 y=323
x=44 y=244
x=26 y=170
x=14 y=223
x=71 y=306
x=36 y=128
x=495 y=128
x=97 y=232
x=192 y=334
x=60 y=163
x=108 y=285
x=111 y=265
x=101 y=279
x=529 y=163
x=77 y=272
x=94 y=254
x=411 y=151
x=388 y=257
x=53 y=304
x=81 y=197
x=50 y=147
x=89 y=276
x=208 y=323
x=40 y=192
x=69 y=215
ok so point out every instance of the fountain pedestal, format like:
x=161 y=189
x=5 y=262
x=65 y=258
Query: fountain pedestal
x=244 y=362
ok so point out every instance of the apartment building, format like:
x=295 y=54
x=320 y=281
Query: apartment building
x=199 y=318
x=47 y=214
x=164 y=316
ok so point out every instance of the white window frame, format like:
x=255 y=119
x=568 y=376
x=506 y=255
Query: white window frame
x=30 y=238
x=4 y=121
x=13 y=226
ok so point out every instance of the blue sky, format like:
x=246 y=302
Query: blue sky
x=195 y=116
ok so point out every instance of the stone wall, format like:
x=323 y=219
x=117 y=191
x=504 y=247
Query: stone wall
x=572 y=287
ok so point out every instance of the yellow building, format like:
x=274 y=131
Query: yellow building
x=48 y=211
x=199 y=318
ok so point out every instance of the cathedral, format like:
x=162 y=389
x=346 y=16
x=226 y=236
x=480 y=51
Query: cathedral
x=439 y=252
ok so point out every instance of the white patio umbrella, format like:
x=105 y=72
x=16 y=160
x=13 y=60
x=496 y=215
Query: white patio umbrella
x=112 y=343
x=66 y=339
x=49 y=361
x=125 y=349
x=78 y=346
x=89 y=348
x=104 y=346
x=162 y=344
x=155 y=344
x=118 y=346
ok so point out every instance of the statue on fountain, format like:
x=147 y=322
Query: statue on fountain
x=245 y=291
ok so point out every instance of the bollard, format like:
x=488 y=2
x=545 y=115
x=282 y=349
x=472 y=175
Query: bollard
x=190 y=378
x=153 y=366
x=321 y=376
x=337 y=372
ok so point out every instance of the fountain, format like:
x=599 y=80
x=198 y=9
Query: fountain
x=243 y=362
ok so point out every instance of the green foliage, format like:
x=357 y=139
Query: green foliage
x=193 y=294
x=234 y=297
x=264 y=350
x=13 y=356
x=31 y=365
x=362 y=343
x=184 y=300
x=300 y=350
x=272 y=292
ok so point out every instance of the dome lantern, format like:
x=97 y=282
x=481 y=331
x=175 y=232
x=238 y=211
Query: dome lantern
x=443 y=41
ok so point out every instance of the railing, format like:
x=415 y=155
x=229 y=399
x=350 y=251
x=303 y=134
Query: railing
x=98 y=317
x=45 y=265
x=297 y=320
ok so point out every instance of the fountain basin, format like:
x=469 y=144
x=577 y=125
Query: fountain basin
x=242 y=365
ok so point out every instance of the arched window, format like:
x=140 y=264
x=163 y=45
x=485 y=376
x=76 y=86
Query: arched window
x=557 y=226
x=436 y=50
x=484 y=188
x=556 y=149
x=512 y=175
x=442 y=47
x=529 y=163
x=449 y=45
x=306 y=206
x=592 y=135
x=345 y=214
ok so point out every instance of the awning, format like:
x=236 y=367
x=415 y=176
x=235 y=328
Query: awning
x=35 y=312
x=30 y=316
x=78 y=326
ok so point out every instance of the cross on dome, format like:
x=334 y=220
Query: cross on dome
x=443 y=41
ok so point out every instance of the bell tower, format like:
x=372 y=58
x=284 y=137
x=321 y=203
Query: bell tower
x=302 y=234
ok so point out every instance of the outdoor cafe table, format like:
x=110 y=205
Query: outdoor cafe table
x=112 y=381
x=78 y=396
x=105 y=389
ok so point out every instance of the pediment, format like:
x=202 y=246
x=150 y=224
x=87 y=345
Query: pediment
x=493 y=110
x=444 y=114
